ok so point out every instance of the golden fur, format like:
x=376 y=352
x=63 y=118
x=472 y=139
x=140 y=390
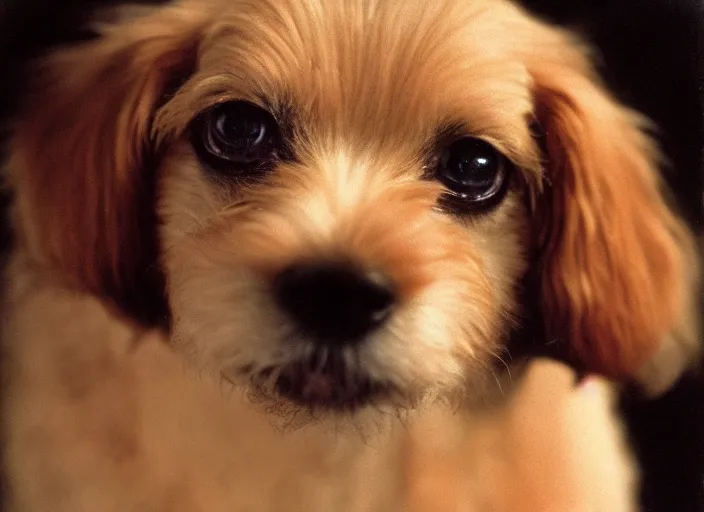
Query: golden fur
x=111 y=203
x=538 y=454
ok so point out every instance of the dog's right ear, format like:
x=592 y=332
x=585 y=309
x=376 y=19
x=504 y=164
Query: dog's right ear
x=81 y=157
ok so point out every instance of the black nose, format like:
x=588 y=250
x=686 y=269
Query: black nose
x=333 y=304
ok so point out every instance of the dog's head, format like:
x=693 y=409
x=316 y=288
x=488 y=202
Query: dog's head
x=341 y=201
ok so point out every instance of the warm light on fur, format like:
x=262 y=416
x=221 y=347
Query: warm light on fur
x=111 y=199
x=125 y=241
x=618 y=266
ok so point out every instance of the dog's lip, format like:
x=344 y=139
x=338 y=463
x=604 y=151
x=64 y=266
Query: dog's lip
x=328 y=386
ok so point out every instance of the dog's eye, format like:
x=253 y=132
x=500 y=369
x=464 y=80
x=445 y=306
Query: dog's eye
x=474 y=171
x=236 y=136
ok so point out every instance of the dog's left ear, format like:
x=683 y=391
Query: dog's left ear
x=82 y=156
x=618 y=267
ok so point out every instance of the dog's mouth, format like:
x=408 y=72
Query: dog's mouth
x=325 y=381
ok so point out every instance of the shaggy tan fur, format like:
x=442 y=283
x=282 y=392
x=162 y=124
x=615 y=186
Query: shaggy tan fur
x=118 y=426
x=110 y=199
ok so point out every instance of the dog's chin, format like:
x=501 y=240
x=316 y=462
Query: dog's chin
x=322 y=385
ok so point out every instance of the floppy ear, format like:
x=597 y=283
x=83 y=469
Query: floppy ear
x=618 y=268
x=82 y=163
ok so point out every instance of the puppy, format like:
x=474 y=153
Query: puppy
x=330 y=205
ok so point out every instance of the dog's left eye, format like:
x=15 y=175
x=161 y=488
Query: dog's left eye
x=236 y=137
x=474 y=171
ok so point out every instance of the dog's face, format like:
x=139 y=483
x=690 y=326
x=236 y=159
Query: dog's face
x=348 y=195
x=343 y=222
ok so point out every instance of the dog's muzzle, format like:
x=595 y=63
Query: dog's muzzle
x=336 y=307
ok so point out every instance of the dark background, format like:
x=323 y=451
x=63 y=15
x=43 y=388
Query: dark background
x=653 y=58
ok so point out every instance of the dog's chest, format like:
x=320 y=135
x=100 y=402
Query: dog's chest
x=100 y=419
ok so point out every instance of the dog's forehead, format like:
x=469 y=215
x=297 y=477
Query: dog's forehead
x=370 y=67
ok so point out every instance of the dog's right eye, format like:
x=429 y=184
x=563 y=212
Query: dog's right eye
x=236 y=137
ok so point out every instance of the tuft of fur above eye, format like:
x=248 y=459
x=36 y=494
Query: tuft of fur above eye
x=475 y=172
x=236 y=137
